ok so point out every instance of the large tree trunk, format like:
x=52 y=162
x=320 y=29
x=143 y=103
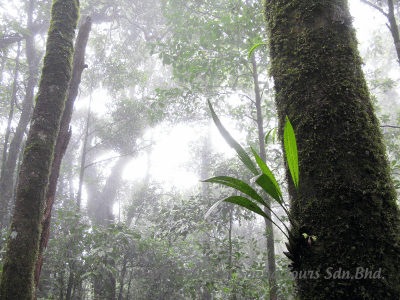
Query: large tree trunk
x=63 y=138
x=17 y=279
x=346 y=196
x=101 y=209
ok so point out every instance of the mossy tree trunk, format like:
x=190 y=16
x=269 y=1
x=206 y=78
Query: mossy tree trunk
x=346 y=196
x=17 y=279
x=63 y=138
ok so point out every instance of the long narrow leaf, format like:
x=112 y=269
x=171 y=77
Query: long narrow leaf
x=212 y=208
x=244 y=188
x=232 y=142
x=254 y=47
x=291 y=152
x=268 y=185
x=274 y=134
x=268 y=134
x=274 y=191
x=238 y=185
x=246 y=203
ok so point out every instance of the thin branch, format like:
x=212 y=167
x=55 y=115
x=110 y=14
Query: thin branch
x=126 y=154
x=243 y=95
x=250 y=117
x=390 y=126
x=378 y=8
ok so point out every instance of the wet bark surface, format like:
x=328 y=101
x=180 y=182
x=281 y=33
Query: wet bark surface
x=17 y=279
x=346 y=197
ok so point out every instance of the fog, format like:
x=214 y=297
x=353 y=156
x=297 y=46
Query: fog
x=143 y=139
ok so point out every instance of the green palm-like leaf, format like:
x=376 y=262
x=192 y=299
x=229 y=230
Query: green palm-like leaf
x=273 y=189
x=246 y=203
x=268 y=185
x=238 y=185
x=289 y=140
x=244 y=188
x=268 y=134
x=232 y=142
x=254 y=47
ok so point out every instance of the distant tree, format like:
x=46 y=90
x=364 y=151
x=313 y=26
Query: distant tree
x=208 y=53
x=346 y=196
x=17 y=279
x=33 y=59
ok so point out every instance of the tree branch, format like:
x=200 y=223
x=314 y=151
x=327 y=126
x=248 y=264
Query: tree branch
x=378 y=8
x=390 y=126
x=114 y=157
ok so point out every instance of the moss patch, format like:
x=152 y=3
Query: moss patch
x=346 y=194
x=19 y=262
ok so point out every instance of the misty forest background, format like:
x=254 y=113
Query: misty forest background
x=128 y=217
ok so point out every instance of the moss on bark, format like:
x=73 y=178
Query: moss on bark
x=22 y=247
x=346 y=194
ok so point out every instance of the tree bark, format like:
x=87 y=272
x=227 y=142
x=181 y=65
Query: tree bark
x=268 y=224
x=346 y=197
x=64 y=135
x=17 y=278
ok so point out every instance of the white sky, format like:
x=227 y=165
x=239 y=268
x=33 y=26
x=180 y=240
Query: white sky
x=171 y=152
x=366 y=19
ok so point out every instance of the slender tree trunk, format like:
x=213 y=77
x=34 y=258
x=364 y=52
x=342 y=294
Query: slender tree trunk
x=230 y=243
x=123 y=272
x=142 y=197
x=263 y=155
x=129 y=285
x=8 y=166
x=11 y=113
x=70 y=281
x=3 y=63
x=7 y=178
x=394 y=29
x=63 y=138
x=83 y=160
x=62 y=285
x=346 y=196
x=17 y=278
x=71 y=277
x=205 y=162
x=102 y=213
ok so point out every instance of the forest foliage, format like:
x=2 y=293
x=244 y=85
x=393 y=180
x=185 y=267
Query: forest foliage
x=140 y=231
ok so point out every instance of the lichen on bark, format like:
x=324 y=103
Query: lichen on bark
x=22 y=246
x=346 y=195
